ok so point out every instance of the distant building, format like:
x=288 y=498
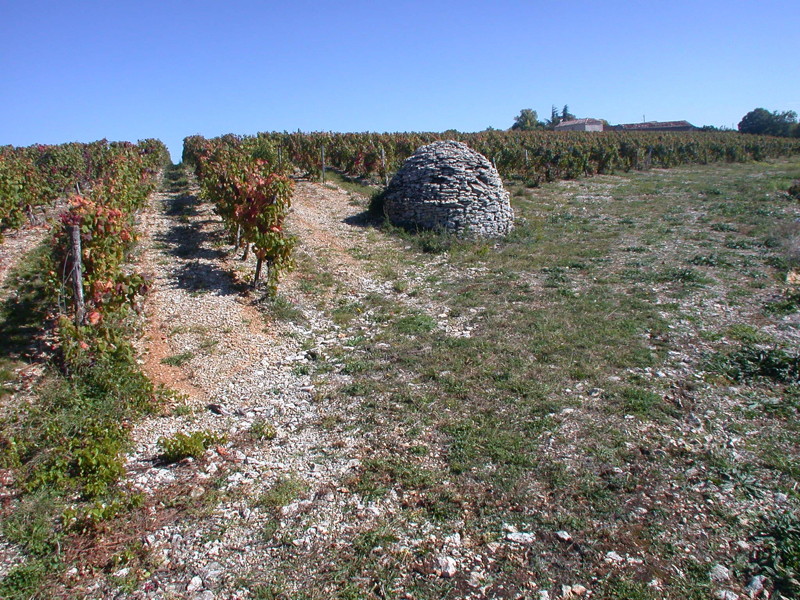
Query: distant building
x=657 y=126
x=580 y=125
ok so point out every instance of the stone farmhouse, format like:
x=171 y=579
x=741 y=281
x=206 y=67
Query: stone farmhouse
x=580 y=125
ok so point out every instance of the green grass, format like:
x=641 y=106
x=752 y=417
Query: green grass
x=263 y=430
x=185 y=445
x=178 y=360
x=567 y=359
x=22 y=314
x=349 y=184
x=283 y=492
x=779 y=552
x=282 y=309
x=750 y=362
x=175 y=179
x=415 y=324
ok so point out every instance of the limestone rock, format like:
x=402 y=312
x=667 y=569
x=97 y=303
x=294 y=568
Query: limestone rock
x=447 y=185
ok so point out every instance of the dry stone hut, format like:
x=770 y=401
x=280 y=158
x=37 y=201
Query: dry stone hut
x=447 y=185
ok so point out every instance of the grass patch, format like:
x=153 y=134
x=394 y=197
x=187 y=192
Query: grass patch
x=24 y=311
x=178 y=360
x=778 y=552
x=485 y=438
x=283 y=492
x=415 y=324
x=175 y=179
x=787 y=304
x=282 y=309
x=24 y=581
x=350 y=184
x=381 y=474
x=191 y=445
x=643 y=403
x=751 y=362
x=263 y=430
x=747 y=334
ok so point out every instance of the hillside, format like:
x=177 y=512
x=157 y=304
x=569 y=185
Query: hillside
x=602 y=405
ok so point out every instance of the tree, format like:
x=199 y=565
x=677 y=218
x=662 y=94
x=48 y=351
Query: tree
x=554 y=119
x=762 y=122
x=566 y=115
x=527 y=120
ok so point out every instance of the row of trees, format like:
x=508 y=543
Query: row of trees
x=759 y=121
x=528 y=119
x=72 y=444
x=763 y=122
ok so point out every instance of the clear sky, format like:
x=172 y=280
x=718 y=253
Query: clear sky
x=132 y=69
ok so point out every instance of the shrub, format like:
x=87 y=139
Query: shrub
x=262 y=430
x=794 y=190
x=193 y=445
x=752 y=362
x=778 y=552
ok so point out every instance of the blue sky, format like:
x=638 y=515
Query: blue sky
x=81 y=71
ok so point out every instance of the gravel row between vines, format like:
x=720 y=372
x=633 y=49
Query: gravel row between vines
x=237 y=371
x=18 y=243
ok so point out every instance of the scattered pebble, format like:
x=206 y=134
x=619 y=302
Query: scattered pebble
x=447 y=566
x=755 y=586
x=563 y=536
x=719 y=573
x=521 y=538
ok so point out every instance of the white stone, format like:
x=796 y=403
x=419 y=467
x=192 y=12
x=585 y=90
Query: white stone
x=719 y=573
x=563 y=536
x=521 y=538
x=579 y=590
x=194 y=585
x=756 y=586
x=447 y=566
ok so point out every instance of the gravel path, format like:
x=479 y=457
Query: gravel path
x=242 y=376
x=17 y=243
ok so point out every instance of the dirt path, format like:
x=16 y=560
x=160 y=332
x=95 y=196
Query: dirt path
x=331 y=232
x=322 y=213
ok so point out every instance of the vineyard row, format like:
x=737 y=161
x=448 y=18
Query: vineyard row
x=532 y=156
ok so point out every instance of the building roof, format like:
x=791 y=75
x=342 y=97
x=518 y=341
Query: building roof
x=657 y=125
x=580 y=122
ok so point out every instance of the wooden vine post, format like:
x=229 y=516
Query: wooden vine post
x=383 y=164
x=259 y=262
x=322 y=174
x=77 y=274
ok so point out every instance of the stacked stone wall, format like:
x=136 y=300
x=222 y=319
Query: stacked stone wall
x=447 y=185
